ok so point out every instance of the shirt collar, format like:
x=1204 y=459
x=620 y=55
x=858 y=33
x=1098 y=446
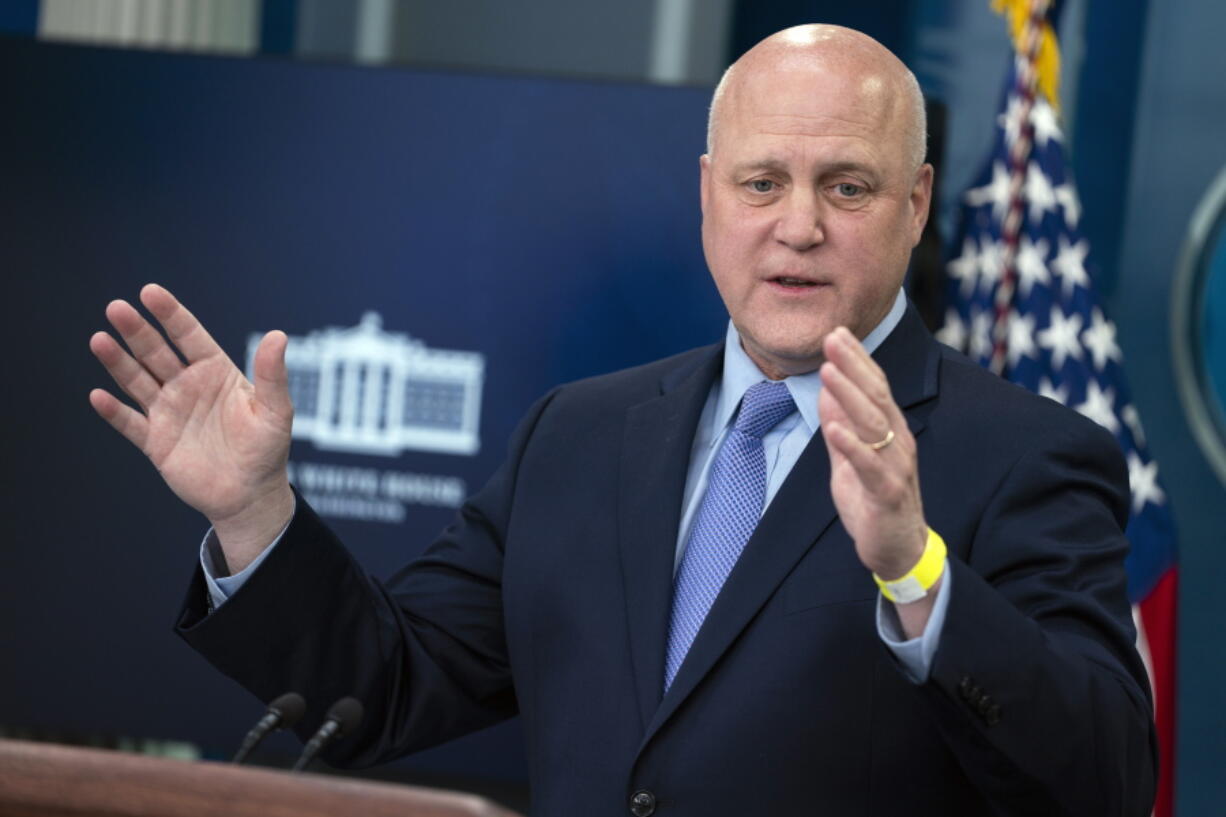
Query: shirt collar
x=740 y=372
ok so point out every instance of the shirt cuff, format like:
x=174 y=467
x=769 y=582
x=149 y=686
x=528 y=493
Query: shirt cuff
x=223 y=587
x=915 y=654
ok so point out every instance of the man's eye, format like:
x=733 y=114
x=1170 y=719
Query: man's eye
x=849 y=190
x=762 y=185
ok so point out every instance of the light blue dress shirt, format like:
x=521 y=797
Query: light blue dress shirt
x=782 y=446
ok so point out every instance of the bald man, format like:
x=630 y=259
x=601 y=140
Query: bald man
x=697 y=606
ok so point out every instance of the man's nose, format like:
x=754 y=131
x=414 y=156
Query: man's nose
x=800 y=220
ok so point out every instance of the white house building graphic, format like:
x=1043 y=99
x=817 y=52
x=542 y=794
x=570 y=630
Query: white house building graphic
x=362 y=390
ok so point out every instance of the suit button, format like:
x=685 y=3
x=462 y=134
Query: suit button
x=992 y=716
x=642 y=803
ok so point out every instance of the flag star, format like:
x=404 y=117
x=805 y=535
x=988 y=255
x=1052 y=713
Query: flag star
x=1039 y=193
x=1132 y=419
x=1099 y=406
x=991 y=264
x=965 y=268
x=953 y=331
x=1061 y=337
x=1070 y=265
x=1045 y=122
x=1031 y=265
x=1046 y=389
x=995 y=192
x=1066 y=197
x=1011 y=120
x=1021 y=338
x=1143 y=478
x=1099 y=338
x=981 y=335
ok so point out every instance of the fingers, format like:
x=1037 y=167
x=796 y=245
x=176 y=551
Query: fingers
x=862 y=414
x=832 y=417
x=147 y=344
x=873 y=470
x=857 y=411
x=153 y=361
x=129 y=375
x=860 y=387
x=270 y=375
x=129 y=422
x=875 y=488
x=187 y=333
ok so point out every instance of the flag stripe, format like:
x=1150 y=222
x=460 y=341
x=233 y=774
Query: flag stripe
x=1158 y=618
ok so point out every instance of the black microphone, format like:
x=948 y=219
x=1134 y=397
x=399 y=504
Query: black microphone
x=343 y=718
x=282 y=713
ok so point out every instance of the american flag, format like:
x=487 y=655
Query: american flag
x=1020 y=299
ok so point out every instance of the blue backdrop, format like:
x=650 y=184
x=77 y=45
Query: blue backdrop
x=550 y=226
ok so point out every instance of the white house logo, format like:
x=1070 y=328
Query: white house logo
x=366 y=391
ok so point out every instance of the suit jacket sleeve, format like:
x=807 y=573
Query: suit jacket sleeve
x=426 y=652
x=1037 y=685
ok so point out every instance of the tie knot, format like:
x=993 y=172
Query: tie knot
x=763 y=406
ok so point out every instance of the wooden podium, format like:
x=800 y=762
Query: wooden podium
x=44 y=780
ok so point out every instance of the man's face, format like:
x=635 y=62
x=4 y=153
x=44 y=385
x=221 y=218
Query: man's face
x=810 y=210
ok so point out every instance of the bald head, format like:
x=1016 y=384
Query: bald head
x=831 y=54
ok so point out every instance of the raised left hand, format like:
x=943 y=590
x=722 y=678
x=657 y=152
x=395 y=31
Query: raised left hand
x=876 y=490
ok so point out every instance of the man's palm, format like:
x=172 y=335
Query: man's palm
x=220 y=441
x=212 y=440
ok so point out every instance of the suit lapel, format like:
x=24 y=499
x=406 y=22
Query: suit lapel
x=910 y=359
x=780 y=540
x=655 y=459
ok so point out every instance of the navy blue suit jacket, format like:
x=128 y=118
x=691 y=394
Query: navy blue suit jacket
x=549 y=597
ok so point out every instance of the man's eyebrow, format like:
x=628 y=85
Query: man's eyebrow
x=780 y=166
x=757 y=165
x=848 y=167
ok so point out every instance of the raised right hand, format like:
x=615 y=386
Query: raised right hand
x=220 y=442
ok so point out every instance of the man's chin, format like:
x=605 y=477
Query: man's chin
x=784 y=360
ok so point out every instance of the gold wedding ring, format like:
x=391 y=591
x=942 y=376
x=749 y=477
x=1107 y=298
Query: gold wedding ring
x=880 y=444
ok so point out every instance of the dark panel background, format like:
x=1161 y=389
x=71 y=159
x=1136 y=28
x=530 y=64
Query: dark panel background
x=551 y=225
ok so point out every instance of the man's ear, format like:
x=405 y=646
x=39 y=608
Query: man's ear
x=921 y=201
x=704 y=179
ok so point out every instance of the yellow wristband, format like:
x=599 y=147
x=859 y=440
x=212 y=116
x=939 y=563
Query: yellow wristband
x=920 y=579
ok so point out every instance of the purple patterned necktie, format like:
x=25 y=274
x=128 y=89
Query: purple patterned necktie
x=736 y=492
